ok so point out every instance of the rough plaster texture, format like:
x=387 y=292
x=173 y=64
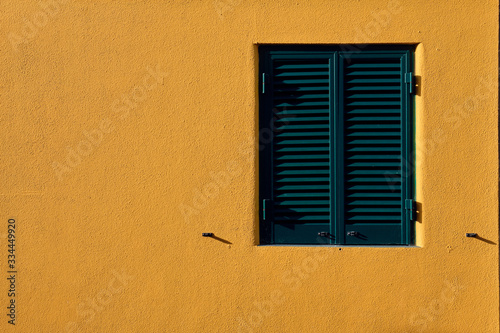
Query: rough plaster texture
x=109 y=230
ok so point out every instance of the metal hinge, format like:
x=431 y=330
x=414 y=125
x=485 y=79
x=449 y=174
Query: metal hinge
x=265 y=203
x=410 y=209
x=410 y=79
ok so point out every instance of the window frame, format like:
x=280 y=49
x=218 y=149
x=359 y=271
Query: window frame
x=335 y=53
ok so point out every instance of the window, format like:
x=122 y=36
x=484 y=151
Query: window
x=336 y=145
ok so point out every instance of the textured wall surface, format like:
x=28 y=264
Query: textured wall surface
x=128 y=128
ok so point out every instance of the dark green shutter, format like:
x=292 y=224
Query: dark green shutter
x=334 y=139
x=298 y=99
x=374 y=103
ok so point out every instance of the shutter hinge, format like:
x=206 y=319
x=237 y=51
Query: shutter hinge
x=263 y=83
x=265 y=204
x=410 y=207
x=409 y=78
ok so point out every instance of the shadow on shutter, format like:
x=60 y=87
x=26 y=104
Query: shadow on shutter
x=301 y=149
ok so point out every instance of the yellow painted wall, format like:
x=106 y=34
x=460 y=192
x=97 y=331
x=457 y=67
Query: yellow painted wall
x=104 y=166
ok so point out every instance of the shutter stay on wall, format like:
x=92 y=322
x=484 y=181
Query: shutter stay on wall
x=409 y=79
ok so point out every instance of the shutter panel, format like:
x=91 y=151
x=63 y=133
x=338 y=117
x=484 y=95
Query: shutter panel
x=335 y=143
x=297 y=96
x=375 y=111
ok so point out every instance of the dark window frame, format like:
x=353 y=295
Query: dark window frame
x=337 y=55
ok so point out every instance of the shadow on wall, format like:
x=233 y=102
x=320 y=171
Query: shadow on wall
x=218 y=238
x=418 y=85
x=485 y=240
x=418 y=212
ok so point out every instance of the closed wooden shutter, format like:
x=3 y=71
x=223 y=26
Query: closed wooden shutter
x=333 y=141
x=373 y=101
x=299 y=97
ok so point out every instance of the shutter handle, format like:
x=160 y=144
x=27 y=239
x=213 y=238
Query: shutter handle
x=352 y=233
